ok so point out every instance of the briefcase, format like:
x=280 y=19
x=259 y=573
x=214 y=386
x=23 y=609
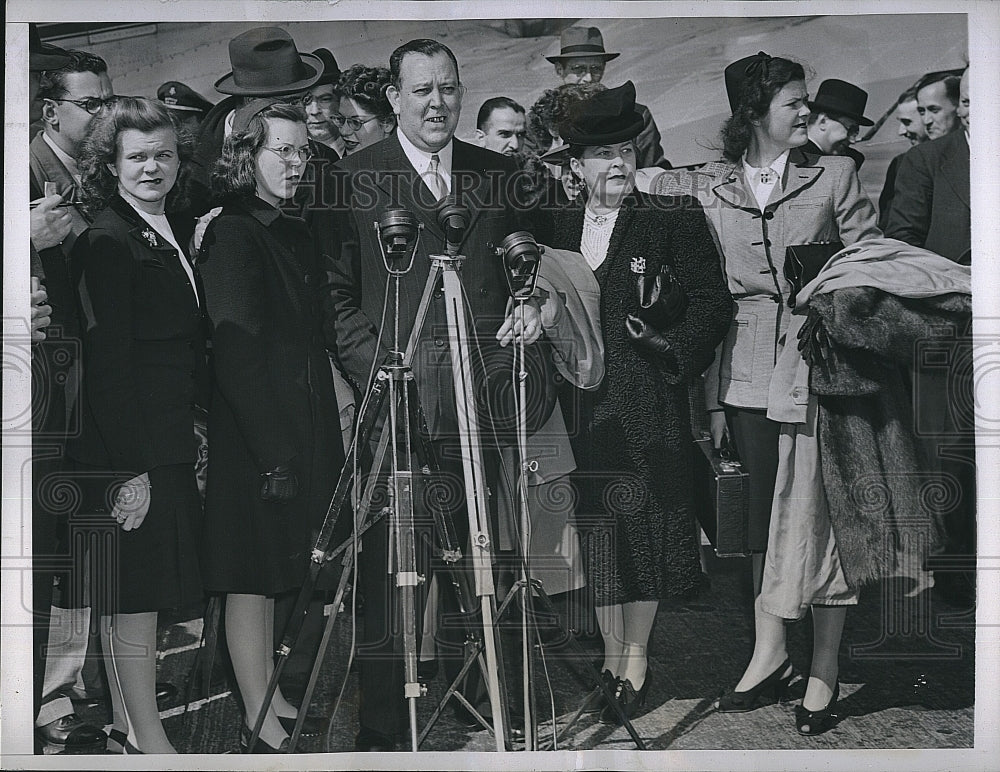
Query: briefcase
x=722 y=502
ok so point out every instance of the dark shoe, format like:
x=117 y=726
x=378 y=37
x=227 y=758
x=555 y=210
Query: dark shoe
x=166 y=694
x=743 y=702
x=368 y=740
x=596 y=701
x=630 y=700
x=119 y=737
x=71 y=732
x=311 y=727
x=813 y=722
x=260 y=746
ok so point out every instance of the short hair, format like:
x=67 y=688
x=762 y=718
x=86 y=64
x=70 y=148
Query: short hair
x=495 y=103
x=233 y=175
x=949 y=78
x=754 y=102
x=52 y=84
x=100 y=148
x=423 y=46
x=910 y=95
x=551 y=109
x=366 y=86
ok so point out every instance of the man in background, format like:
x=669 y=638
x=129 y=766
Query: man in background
x=501 y=126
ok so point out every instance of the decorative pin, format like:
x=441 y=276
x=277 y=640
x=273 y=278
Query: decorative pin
x=150 y=235
x=638 y=265
x=767 y=176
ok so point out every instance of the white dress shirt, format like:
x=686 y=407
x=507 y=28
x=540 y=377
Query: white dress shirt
x=421 y=160
x=764 y=180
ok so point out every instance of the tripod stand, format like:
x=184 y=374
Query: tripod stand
x=398 y=234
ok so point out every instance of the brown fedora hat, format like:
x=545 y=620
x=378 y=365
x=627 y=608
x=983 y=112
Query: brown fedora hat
x=581 y=41
x=266 y=62
x=838 y=97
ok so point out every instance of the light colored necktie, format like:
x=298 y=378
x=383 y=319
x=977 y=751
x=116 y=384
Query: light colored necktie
x=434 y=180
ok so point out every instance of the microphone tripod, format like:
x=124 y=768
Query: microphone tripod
x=398 y=234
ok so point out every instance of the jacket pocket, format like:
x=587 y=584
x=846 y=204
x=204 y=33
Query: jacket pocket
x=739 y=351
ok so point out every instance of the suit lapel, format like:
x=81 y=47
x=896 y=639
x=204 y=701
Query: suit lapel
x=401 y=183
x=799 y=174
x=52 y=170
x=461 y=161
x=732 y=187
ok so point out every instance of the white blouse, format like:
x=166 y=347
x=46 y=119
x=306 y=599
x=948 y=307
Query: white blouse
x=596 y=237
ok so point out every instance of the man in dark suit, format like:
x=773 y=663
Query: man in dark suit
x=931 y=209
x=837 y=114
x=415 y=169
x=911 y=127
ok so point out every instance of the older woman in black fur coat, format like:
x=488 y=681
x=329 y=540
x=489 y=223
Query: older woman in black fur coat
x=664 y=307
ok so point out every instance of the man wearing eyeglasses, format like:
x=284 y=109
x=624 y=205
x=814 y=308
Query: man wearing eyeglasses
x=72 y=89
x=581 y=59
x=836 y=118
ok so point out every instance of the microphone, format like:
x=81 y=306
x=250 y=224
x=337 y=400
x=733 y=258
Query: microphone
x=397 y=231
x=453 y=219
x=520 y=254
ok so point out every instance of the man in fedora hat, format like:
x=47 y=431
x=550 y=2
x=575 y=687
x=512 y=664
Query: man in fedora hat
x=184 y=103
x=581 y=59
x=836 y=117
x=322 y=103
x=265 y=63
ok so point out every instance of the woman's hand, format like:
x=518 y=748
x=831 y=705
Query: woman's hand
x=514 y=327
x=718 y=428
x=132 y=502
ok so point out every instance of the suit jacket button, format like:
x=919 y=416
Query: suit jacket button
x=483 y=291
x=438 y=294
x=307 y=278
x=439 y=342
x=769 y=215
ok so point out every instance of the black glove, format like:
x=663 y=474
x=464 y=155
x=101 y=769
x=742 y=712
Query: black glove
x=814 y=341
x=279 y=484
x=662 y=302
x=644 y=335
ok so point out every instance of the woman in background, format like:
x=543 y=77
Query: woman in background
x=364 y=107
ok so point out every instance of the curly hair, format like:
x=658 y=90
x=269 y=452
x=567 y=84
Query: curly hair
x=100 y=149
x=234 y=173
x=366 y=86
x=754 y=103
x=52 y=84
x=551 y=110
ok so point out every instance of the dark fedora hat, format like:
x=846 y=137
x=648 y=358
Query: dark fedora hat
x=604 y=119
x=838 y=97
x=266 y=62
x=181 y=97
x=331 y=71
x=581 y=41
x=43 y=56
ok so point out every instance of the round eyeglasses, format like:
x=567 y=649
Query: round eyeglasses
x=92 y=105
x=354 y=123
x=290 y=154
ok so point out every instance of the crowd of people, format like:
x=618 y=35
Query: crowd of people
x=197 y=262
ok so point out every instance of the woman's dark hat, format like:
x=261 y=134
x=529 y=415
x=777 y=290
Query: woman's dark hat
x=249 y=111
x=606 y=118
x=43 y=56
x=742 y=70
x=266 y=63
x=181 y=97
x=331 y=71
x=581 y=41
x=838 y=97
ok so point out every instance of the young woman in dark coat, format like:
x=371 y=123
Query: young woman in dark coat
x=276 y=448
x=634 y=439
x=143 y=373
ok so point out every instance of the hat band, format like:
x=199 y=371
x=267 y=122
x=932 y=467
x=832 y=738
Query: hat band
x=587 y=48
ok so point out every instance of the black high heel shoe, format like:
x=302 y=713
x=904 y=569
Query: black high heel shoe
x=743 y=702
x=630 y=700
x=814 y=722
x=260 y=746
x=311 y=727
x=118 y=736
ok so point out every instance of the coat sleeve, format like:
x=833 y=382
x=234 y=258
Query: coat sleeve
x=107 y=306
x=696 y=264
x=649 y=144
x=855 y=213
x=910 y=214
x=235 y=293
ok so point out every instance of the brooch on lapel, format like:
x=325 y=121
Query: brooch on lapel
x=638 y=265
x=150 y=235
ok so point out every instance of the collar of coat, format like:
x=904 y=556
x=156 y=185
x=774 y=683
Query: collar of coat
x=142 y=231
x=801 y=171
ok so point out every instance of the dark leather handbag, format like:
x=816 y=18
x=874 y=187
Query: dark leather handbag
x=804 y=261
x=662 y=301
x=722 y=498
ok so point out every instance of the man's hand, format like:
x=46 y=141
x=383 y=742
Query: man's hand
x=717 y=427
x=41 y=312
x=515 y=327
x=50 y=223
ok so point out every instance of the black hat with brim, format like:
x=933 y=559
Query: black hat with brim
x=838 y=97
x=606 y=118
x=43 y=56
x=266 y=63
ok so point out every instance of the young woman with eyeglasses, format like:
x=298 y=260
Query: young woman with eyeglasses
x=366 y=115
x=274 y=424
